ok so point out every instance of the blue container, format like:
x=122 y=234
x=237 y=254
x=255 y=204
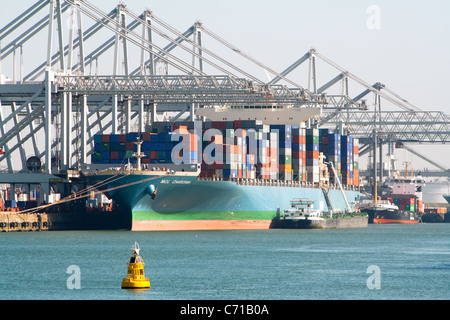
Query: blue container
x=97 y=147
x=122 y=155
x=285 y=144
x=105 y=155
x=325 y=132
x=153 y=146
x=162 y=137
x=146 y=145
x=286 y=136
x=168 y=137
x=21 y=204
x=10 y=203
x=98 y=138
x=153 y=138
x=334 y=137
x=114 y=138
x=114 y=146
x=281 y=127
x=132 y=137
x=168 y=146
x=312 y=147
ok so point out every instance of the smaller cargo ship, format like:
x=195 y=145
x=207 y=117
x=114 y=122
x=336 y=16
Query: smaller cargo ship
x=400 y=201
x=383 y=211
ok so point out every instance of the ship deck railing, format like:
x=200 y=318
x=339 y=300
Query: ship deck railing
x=280 y=183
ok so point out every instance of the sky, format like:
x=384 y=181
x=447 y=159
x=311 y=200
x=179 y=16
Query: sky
x=402 y=44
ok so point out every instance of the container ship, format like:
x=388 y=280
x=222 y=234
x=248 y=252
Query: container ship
x=224 y=175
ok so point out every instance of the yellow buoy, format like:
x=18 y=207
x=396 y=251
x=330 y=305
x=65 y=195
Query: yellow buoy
x=135 y=275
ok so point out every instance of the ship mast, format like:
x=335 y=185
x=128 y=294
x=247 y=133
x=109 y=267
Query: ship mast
x=138 y=154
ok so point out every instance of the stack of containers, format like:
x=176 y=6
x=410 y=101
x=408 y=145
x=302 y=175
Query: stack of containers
x=230 y=168
x=299 y=154
x=241 y=152
x=266 y=157
x=420 y=206
x=406 y=203
x=347 y=159
x=156 y=147
x=284 y=150
x=334 y=155
x=253 y=140
x=271 y=144
x=254 y=131
x=251 y=170
x=218 y=155
x=323 y=140
x=312 y=156
x=355 y=162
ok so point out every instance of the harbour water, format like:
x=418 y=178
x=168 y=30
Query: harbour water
x=406 y=262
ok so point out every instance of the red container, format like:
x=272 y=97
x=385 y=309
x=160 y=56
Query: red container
x=122 y=138
x=114 y=155
x=130 y=145
x=237 y=124
x=105 y=137
x=194 y=142
x=312 y=154
x=145 y=136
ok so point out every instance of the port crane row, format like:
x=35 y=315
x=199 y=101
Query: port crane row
x=63 y=100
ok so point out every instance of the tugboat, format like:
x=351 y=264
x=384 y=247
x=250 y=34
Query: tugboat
x=135 y=275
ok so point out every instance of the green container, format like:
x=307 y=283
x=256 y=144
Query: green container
x=285 y=159
x=105 y=146
x=161 y=155
x=97 y=156
x=312 y=139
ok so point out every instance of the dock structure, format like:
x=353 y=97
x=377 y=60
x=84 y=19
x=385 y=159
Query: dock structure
x=122 y=73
